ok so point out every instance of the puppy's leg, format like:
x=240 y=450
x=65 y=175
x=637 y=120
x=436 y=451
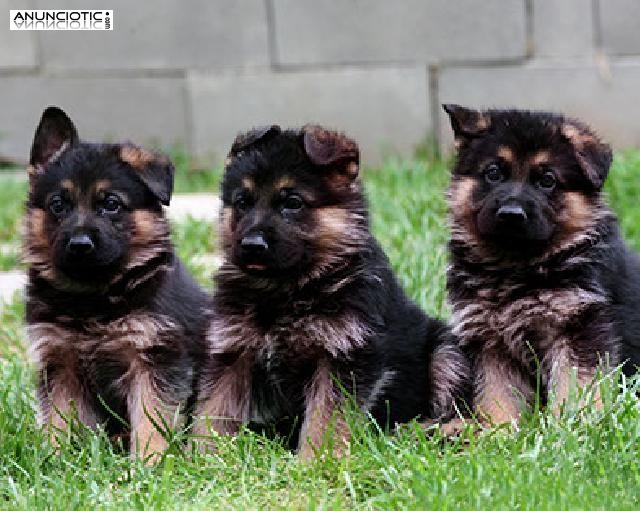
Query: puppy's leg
x=449 y=381
x=225 y=398
x=60 y=393
x=149 y=412
x=322 y=406
x=566 y=374
x=500 y=390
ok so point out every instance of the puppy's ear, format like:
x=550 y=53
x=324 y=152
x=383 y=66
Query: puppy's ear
x=593 y=155
x=154 y=170
x=245 y=140
x=333 y=151
x=466 y=123
x=55 y=134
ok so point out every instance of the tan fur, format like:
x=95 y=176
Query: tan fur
x=248 y=184
x=578 y=214
x=123 y=340
x=34 y=171
x=146 y=406
x=540 y=158
x=461 y=194
x=304 y=334
x=566 y=377
x=36 y=245
x=101 y=187
x=500 y=391
x=338 y=232
x=226 y=229
x=69 y=186
x=65 y=394
x=578 y=136
x=322 y=407
x=506 y=153
x=285 y=182
x=228 y=401
x=148 y=240
x=137 y=157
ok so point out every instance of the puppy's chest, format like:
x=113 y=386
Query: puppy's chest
x=290 y=337
x=510 y=316
x=121 y=342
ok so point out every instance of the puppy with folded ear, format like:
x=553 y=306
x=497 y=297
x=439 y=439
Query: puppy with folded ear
x=306 y=304
x=540 y=279
x=115 y=323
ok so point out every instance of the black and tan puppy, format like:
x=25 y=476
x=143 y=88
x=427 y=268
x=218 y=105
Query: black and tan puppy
x=113 y=318
x=306 y=305
x=539 y=273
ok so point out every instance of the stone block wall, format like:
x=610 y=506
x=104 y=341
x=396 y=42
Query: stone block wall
x=195 y=73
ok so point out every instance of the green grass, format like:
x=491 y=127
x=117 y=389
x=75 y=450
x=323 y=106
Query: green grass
x=587 y=460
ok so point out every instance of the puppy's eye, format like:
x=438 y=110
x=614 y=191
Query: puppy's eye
x=112 y=205
x=493 y=174
x=57 y=205
x=547 y=181
x=292 y=203
x=242 y=203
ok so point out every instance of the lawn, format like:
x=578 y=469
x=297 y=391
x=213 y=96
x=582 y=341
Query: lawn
x=585 y=460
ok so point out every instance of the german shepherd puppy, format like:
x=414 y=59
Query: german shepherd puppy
x=539 y=278
x=306 y=305
x=115 y=323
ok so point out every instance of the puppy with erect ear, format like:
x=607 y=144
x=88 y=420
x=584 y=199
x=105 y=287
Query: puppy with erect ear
x=115 y=323
x=540 y=278
x=307 y=309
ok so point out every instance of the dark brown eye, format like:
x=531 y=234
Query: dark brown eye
x=493 y=174
x=112 y=205
x=547 y=181
x=57 y=205
x=292 y=203
x=242 y=203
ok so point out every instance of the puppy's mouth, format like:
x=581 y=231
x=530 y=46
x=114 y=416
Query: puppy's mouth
x=255 y=267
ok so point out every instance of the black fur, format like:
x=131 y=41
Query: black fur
x=539 y=271
x=119 y=306
x=300 y=278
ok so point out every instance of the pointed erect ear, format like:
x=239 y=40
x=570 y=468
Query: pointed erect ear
x=245 y=140
x=333 y=150
x=54 y=135
x=154 y=170
x=593 y=155
x=467 y=123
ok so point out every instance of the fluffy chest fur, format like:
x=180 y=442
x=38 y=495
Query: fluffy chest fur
x=293 y=335
x=106 y=355
x=521 y=312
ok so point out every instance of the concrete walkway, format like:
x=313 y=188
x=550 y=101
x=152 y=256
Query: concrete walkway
x=199 y=206
x=196 y=206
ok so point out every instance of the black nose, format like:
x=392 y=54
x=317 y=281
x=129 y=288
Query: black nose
x=511 y=213
x=254 y=243
x=80 y=244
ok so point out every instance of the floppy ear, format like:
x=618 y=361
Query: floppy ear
x=154 y=170
x=55 y=134
x=332 y=150
x=245 y=140
x=465 y=122
x=593 y=155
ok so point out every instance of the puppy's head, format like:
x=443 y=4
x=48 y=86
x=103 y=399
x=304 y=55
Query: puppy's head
x=524 y=181
x=94 y=210
x=292 y=202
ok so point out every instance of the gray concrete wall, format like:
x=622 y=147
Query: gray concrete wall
x=195 y=73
